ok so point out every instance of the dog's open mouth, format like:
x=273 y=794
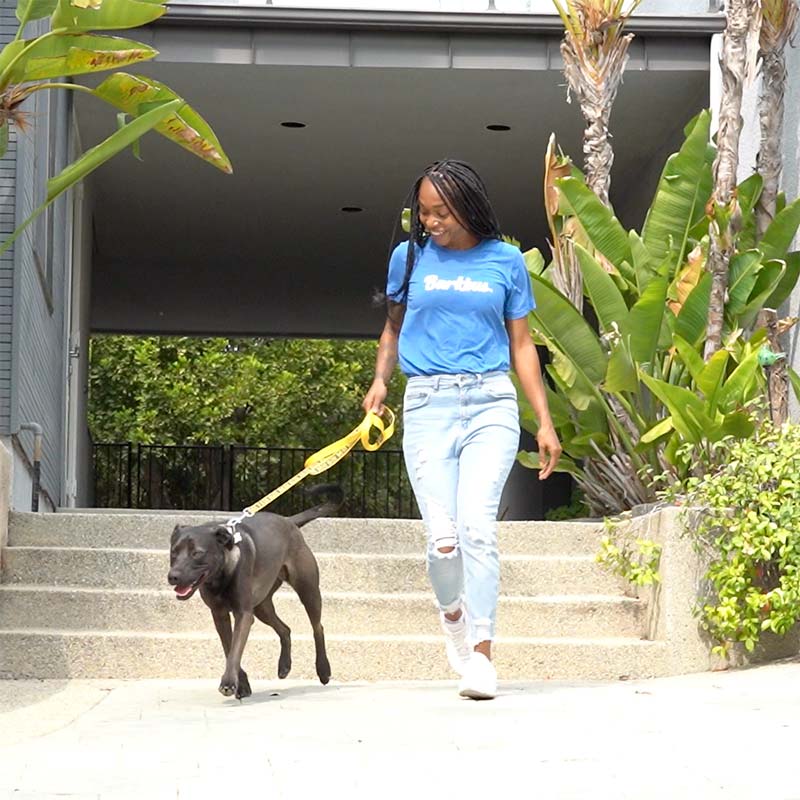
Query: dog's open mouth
x=185 y=591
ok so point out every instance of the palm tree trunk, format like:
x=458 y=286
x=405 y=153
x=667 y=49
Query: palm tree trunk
x=776 y=30
x=596 y=85
x=737 y=47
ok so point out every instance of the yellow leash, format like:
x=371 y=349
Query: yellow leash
x=324 y=459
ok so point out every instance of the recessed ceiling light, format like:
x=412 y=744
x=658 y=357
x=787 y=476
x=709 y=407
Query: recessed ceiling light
x=293 y=124
x=496 y=127
x=352 y=209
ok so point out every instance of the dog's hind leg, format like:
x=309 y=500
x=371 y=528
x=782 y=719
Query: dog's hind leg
x=305 y=582
x=265 y=611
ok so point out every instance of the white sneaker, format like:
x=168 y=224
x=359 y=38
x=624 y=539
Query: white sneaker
x=480 y=679
x=455 y=641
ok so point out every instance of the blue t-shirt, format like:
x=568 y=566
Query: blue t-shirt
x=457 y=304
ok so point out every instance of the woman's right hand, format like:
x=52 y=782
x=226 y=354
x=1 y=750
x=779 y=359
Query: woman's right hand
x=373 y=400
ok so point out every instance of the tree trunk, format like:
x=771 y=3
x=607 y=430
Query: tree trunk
x=774 y=35
x=596 y=86
x=742 y=15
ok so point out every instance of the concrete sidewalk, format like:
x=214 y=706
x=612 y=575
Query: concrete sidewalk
x=725 y=735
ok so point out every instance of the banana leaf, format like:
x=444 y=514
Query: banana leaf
x=781 y=231
x=743 y=273
x=767 y=281
x=93 y=158
x=133 y=94
x=598 y=222
x=534 y=261
x=686 y=408
x=748 y=192
x=98 y=15
x=795 y=379
x=737 y=389
x=692 y=320
x=682 y=193
x=77 y=54
x=30 y=10
x=569 y=332
x=661 y=428
x=530 y=459
x=642 y=326
x=605 y=297
x=621 y=373
x=787 y=282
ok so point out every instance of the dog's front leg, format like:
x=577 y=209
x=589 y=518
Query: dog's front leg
x=230 y=683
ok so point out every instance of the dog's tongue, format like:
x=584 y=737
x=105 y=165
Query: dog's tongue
x=183 y=591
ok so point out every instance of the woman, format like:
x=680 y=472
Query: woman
x=458 y=298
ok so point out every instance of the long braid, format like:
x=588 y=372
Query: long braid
x=466 y=197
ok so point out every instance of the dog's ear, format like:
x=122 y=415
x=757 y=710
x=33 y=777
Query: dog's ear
x=224 y=537
x=175 y=534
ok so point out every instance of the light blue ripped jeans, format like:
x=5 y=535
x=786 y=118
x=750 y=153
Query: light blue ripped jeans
x=460 y=438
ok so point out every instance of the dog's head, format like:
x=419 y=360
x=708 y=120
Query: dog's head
x=198 y=553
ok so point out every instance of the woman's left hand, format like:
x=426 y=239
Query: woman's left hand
x=549 y=451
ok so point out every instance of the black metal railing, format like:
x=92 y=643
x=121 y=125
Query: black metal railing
x=230 y=477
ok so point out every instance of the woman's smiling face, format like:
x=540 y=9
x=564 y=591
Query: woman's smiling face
x=439 y=221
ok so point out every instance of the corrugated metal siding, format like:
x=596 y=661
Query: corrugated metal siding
x=7 y=204
x=38 y=349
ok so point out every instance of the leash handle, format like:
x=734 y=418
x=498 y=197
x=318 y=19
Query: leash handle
x=329 y=455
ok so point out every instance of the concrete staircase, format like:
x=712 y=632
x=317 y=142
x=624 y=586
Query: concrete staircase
x=84 y=594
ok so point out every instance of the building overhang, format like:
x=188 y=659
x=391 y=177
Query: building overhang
x=181 y=248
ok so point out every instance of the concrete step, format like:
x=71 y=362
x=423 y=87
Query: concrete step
x=152 y=530
x=125 y=654
x=147 y=569
x=355 y=613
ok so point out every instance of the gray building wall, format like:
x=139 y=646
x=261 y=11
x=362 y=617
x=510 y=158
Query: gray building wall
x=7 y=205
x=38 y=329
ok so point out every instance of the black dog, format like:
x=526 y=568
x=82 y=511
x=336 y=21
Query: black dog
x=240 y=579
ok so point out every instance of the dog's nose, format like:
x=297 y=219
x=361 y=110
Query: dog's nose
x=172 y=578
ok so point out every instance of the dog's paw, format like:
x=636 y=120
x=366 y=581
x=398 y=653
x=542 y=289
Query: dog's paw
x=284 y=667
x=243 y=690
x=228 y=687
x=323 y=671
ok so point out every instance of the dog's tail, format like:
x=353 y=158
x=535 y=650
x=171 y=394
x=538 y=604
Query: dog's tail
x=326 y=509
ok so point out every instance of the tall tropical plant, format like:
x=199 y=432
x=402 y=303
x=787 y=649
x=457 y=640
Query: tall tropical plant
x=777 y=28
x=631 y=397
x=72 y=47
x=595 y=51
x=737 y=65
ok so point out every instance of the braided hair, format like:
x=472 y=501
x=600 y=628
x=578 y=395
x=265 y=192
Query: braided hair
x=464 y=194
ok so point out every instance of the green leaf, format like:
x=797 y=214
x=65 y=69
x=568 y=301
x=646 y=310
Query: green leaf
x=738 y=424
x=737 y=388
x=603 y=294
x=787 y=283
x=565 y=464
x=795 y=379
x=781 y=231
x=711 y=378
x=560 y=321
x=693 y=360
x=691 y=323
x=767 y=281
x=743 y=271
x=77 y=54
x=621 y=374
x=642 y=326
x=107 y=149
x=688 y=415
x=98 y=15
x=597 y=220
x=534 y=261
x=30 y=10
x=185 y=127
x=92 y=159
x=683 y=190
x=658 y=430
